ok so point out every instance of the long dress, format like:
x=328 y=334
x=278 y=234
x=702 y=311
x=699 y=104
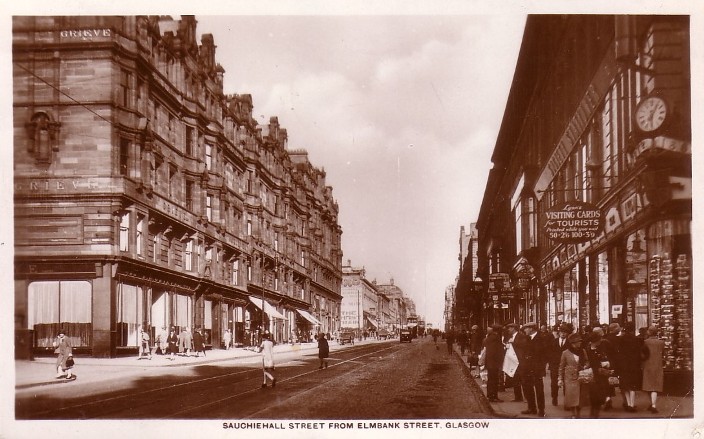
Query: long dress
x=323 y=348
x=568 y=372
x=652 y=366
x=599 y=388
x=267 y=348
x=172 y=341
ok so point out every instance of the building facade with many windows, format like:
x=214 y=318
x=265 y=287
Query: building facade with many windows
x=586 y=216
x=146 y=196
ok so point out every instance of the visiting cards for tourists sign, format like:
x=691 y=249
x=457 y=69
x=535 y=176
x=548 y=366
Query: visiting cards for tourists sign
x=573 y=221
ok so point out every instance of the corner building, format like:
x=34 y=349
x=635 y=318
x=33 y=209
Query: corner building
x=598 y=116
x=143 y=195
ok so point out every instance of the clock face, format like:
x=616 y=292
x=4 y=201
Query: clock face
x=651 y=113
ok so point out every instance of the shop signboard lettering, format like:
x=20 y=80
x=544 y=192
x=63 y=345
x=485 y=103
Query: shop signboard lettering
x=573 y=222
x=85 y=33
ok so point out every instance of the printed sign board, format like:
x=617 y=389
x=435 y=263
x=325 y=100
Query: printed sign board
x=573 y=221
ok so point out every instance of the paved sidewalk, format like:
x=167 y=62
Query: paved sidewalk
x=41 y=371
x=668 y=406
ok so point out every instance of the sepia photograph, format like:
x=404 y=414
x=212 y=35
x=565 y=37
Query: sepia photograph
x=320 y=219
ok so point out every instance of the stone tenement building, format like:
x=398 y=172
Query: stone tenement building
x=145 y=196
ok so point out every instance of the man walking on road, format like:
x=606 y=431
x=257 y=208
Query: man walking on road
x=323 y=350
x=267 y=349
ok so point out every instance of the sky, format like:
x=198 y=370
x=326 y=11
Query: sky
x=402 y=112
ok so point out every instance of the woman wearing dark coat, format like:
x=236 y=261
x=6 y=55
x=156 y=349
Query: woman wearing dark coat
x=323 y=350
x=198 y=344
x=630 y=375
x=172 y=341
x=598 y=358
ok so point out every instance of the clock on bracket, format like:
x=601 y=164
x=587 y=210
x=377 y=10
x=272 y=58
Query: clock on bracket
x=651 y=113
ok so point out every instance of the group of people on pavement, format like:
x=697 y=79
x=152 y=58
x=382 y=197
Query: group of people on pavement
x=585 y=367
x=171 y=344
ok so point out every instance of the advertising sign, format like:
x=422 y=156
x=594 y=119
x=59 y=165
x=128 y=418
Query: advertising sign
x=573 y=222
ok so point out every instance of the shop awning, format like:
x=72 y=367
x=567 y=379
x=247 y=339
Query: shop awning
x=268 y=308
x=306 y=315
x=372 y=322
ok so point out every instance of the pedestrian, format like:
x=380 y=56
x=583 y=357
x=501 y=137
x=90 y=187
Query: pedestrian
x=161 y=343
x=475 y=341
x=172 y=342
x=267 y=350
x=613 y=337
x=573 y=359
x=554 y=351
x=598 y=359
x=64 y=358
x=144 y=348
x=513 y=337
x=493 y=361
x=450 y=339
x=629 y=373
x=462 y=340
x=531 y=360
x=185 y=342
x=436 y=332
x=198 y=342
x=323 y=350
x=652 y=356
x=228 y=339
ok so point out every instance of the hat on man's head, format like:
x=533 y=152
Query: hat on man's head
x=475 y=327
x=529 y=325
x=574 y=338
x=511 y=325
x=62 y=331
x=614 y=327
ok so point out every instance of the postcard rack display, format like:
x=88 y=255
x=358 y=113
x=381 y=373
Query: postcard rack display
x=670 y=308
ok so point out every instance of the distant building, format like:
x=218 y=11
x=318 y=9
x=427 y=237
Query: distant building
x=362 y=304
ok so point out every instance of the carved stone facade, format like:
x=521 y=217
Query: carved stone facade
x=146 y=196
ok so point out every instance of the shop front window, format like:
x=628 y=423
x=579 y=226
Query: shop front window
x=130 y=314
x=669 y=248
x=60 y=305
x=602 y=289
x=570 y=294
x=636 y=286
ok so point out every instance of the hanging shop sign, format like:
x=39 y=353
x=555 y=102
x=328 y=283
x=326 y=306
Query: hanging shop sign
x=500 y=283
x=573 y=222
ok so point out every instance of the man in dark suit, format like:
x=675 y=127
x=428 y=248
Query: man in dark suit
x=556 y=346
x=493 y=362
x=531 y=358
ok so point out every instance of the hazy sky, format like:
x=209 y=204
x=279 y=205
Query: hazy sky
x=402 y=112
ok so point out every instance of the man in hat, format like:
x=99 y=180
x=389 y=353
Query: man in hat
x=517 y=339
x=531 y=358
x=554 y=353
x=613 y=336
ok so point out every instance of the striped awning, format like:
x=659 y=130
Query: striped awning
x=308 y=316
x=268 y=307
